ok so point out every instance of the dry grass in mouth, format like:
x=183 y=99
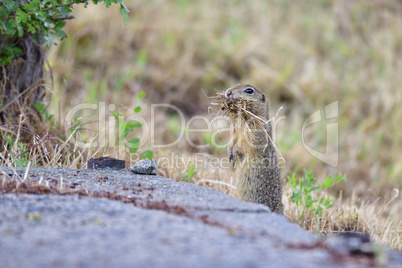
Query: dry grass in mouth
x=246 y=112
x=241 y=112
x=243 y=109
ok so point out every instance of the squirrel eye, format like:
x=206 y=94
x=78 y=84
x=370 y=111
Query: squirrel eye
x=249 y=90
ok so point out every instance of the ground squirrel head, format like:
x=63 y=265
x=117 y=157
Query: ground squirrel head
x=245 y=97
x=245 y=92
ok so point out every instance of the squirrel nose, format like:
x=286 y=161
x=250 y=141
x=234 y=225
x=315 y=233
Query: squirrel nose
x=228 y=93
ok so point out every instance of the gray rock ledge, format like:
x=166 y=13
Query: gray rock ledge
x=151 y=221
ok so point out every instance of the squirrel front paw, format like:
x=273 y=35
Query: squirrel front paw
x=232 y=156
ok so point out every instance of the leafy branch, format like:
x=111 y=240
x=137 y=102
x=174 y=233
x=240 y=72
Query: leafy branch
x=42 y=19
x=33 y=12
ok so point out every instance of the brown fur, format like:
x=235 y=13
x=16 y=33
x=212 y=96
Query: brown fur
x=252 y=152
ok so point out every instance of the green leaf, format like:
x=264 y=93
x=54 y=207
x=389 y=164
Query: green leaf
x=132 y=125
x=115 y=114
x=137 y=109
x=108 y=3
x=22 y=16
x=340 y=178
x=124 y=6
x=128 y=127
x=296 y=196
x=42 y=16
x=7 y=54
x=40 y=107
x=59 y=25
x=9 y=27
x=292 y=180
x=11 y=6
x=124 y=12
x=148 y=154
x=20 y=30
x=142 y=57
x=65 y=10
x=141 y=95
x=31 y=28
x=191 y=174
x=133 y=142
x=133 y=150
x=314 y=188
x=327 y=183
x=33 y=6
x=49 y=40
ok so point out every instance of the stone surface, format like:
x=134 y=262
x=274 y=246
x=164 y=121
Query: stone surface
x=145 y=167
x=153 y=222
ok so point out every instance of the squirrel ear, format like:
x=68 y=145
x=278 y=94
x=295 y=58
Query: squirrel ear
x=263 y=98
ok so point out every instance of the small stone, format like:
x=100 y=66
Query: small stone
x=145 y=167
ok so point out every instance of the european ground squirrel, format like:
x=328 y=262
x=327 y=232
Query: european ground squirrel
x=251 y=149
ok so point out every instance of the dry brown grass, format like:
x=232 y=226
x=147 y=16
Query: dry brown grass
x=50 y=150
x=304 y=55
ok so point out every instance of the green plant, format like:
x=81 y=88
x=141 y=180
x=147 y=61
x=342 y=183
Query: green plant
x=306 y=195
x=125 y=128
x=76 y=127
x=147 y=154
x=189 y=173
x=174 y=125
x=46 y=116
x=16 y=147
x=43 y=19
